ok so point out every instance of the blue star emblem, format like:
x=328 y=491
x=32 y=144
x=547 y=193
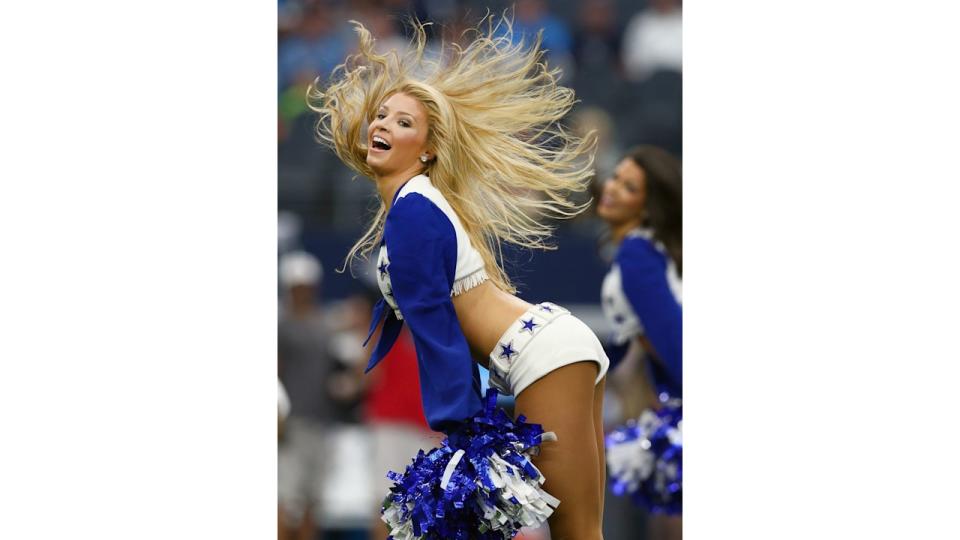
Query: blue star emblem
x=382 y=268
x=546 y=308
x=506 y=351
x=528 y=325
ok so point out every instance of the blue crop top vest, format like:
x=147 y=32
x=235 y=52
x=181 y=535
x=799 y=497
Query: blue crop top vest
x=424 y=259
x=642 y=296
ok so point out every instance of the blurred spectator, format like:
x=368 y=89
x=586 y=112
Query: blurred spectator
x=383 y=24
x=596 y=49
x=531 y=16
x=288 y=231
x=653 y=40
x=597 y=37
x=291 y=105
x=288 y=17
x=348 y=325
x=395 y=417
x=452 y=30
x=347 y=497
x=304 y=367
x=655 y=107
x=587 y=119
x=313 y=47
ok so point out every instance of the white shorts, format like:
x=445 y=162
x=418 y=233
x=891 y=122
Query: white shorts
x=545 y=338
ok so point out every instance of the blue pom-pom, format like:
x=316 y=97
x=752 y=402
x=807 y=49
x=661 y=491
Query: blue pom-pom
x=479 y=484
x=645 y=458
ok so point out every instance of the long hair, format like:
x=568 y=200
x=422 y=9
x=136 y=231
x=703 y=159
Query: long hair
x=664 y=201
x=503 y=160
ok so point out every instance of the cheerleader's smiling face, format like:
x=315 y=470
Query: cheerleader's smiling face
x=397 y=137
x=624 y=195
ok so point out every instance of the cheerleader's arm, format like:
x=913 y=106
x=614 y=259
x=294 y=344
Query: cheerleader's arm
x=648 y=291
x=422 y=247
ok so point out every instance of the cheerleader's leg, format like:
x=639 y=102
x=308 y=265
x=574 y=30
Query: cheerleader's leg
x=601 y=445
x=664 y=527
x=563 y=401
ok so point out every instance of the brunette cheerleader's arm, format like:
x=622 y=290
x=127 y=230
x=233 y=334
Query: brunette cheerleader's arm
x=645 y=284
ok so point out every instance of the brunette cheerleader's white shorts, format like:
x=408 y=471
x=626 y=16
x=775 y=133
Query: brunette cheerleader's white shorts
x=545 y=338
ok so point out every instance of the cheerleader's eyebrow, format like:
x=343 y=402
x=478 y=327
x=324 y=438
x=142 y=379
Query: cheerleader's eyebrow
x=404 y=113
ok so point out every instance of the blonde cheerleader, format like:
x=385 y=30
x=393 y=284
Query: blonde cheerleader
x=467 y=153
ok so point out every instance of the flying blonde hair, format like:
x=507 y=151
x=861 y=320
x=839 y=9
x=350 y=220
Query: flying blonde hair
x=503 y=161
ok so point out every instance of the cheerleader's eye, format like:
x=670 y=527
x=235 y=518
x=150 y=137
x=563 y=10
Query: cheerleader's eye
x=404 y=123
x=381 y=116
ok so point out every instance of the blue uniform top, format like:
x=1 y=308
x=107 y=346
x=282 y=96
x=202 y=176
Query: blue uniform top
x=642 y=296
x=425 y=258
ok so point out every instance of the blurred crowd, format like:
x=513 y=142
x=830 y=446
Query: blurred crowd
x=622 y=57
x=337 y=425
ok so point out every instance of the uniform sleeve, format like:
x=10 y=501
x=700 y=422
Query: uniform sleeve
x=644 y=271
x=422 y=247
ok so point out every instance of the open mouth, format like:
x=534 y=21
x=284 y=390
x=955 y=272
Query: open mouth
x=379 y=144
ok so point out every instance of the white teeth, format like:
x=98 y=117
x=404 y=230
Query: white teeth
x=379 y=139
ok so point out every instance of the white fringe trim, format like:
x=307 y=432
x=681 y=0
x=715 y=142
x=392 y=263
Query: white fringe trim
x=466 y=283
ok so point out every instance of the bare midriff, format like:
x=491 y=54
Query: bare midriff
x=485 y=312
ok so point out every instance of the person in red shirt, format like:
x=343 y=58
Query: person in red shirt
x=393 y=413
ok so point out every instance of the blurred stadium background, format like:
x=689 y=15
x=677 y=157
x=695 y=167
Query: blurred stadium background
x=623 y=59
